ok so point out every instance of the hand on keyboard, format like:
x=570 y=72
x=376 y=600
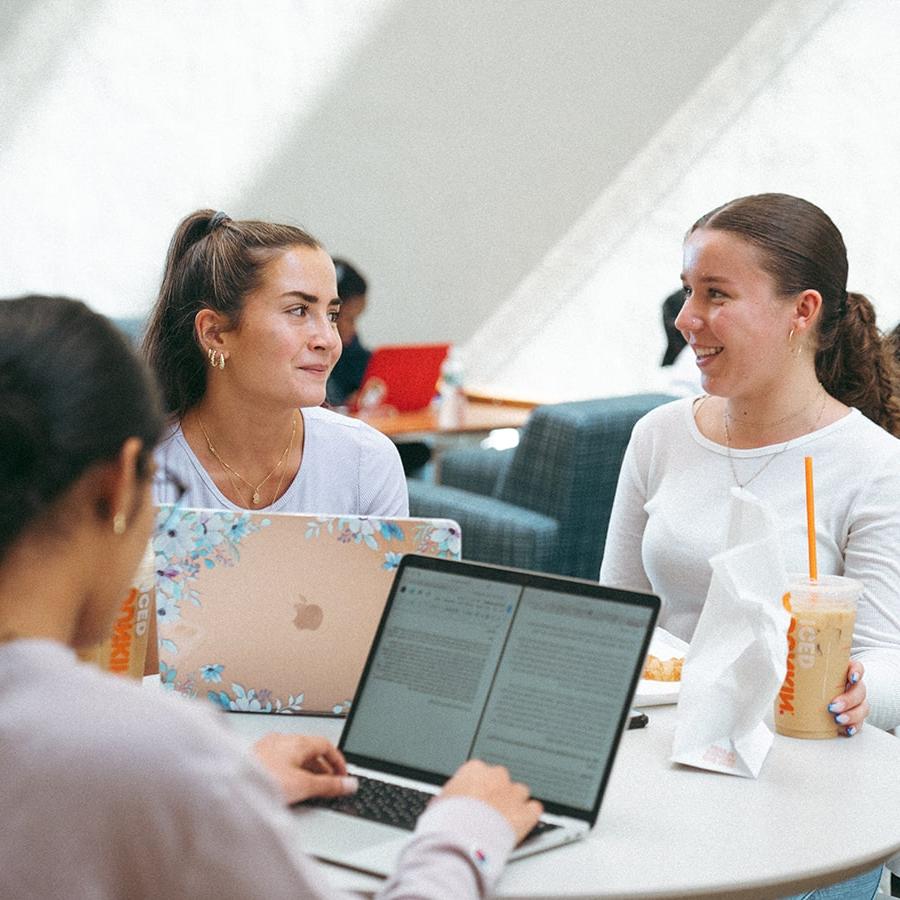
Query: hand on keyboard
x=492 y=785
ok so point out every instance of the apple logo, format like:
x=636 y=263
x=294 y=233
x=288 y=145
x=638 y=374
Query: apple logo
x=309 y=615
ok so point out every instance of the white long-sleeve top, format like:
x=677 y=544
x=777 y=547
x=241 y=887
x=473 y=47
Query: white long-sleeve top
x=670 y=516
x=111 y=790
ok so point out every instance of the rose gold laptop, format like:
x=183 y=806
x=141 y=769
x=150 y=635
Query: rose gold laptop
x=275 y=612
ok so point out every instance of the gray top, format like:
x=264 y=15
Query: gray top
x=111 y=790
x=348 y=468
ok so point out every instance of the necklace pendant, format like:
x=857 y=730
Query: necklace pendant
x=256 y=496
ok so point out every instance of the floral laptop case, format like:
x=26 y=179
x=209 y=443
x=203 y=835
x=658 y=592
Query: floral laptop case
x=275 y=612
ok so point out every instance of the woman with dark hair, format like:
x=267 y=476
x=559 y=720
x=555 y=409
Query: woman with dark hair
x=242 y=339
x=120 y=791
x=347 y=375
x=793 y=365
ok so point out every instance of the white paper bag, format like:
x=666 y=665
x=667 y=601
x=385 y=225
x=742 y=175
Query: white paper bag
x=738 y=655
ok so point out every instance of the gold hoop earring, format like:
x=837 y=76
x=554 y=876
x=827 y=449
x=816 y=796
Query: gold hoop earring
x=119 y=523
x=216 y=358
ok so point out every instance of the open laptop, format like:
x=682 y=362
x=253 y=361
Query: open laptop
x=275 y=612
x=473 y=661
x=402 y=376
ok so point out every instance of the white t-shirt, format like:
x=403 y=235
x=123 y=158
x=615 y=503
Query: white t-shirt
x=110 y=790
x=671 y=512
x=348 y=468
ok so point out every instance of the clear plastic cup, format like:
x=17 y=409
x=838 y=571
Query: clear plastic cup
x=124 y=652
x=823 y=613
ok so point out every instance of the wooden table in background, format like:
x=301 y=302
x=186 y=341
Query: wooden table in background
x=478 y=414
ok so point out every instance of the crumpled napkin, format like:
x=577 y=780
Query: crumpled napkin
x=738 y=655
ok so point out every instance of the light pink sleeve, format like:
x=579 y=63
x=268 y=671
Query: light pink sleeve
x=458 y=850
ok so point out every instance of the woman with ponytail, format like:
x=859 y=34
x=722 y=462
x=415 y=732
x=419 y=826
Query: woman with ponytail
x=242 y=340
x=793 y=366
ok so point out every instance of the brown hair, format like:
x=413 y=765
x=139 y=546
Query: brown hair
x=802 y=249
x=72 y=391
x=213 y=263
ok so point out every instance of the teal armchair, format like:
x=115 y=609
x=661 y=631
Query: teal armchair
x=544 y=505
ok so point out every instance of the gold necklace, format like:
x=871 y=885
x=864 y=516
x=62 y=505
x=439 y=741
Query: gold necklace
x=778 y=452
x=284 y=470
x=234 y=472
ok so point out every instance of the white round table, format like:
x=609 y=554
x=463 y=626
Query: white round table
x=820 y=811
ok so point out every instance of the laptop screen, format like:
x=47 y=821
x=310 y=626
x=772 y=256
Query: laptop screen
x=531 y=672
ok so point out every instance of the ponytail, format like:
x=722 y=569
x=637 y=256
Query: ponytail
x=213 y=262
x=856 y=363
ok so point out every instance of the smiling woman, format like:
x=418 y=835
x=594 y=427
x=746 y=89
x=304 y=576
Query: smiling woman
x=243 y=338
x=793 y=366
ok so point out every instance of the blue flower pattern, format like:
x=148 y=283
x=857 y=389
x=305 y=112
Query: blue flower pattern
x=203 y=539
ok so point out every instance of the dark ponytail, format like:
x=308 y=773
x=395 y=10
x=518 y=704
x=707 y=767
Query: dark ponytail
x=802 y=249
x=213 y=262
x=856 y=363
x=71 y=393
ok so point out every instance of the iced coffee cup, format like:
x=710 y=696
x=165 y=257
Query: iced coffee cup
x=125 y=650
x=823 y=613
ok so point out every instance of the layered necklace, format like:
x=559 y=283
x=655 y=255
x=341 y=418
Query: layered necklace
x=728 y=417
x=233 y=473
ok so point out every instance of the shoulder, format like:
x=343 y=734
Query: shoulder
x=327 y=425
x=171 y=444
x=868 y=448
x=102 y=747
x=667 y=419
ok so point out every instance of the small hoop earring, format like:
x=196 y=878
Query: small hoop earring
x=119 y=523
x=216 y=358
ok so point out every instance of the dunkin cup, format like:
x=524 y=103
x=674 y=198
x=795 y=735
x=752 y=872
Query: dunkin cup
x=125 y=650
x=823 y=613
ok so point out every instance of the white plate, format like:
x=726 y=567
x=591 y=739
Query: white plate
x=659 y=693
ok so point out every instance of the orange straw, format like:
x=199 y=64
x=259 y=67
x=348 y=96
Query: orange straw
x=810 y=520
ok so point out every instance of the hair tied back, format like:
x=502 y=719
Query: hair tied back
x=219 y=218
x=842 y=306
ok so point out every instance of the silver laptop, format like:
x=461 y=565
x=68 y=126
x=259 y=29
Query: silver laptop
x=473 y=661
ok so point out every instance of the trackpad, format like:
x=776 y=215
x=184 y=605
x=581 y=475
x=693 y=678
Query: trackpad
x=345 y=839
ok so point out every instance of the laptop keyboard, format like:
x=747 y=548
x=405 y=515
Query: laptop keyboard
x=391 y=804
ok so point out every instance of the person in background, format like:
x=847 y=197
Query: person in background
x=675 y=340
x=679 y=375
x=242 y=339
x=347 y=376
x=792 y=365
x=120 y=790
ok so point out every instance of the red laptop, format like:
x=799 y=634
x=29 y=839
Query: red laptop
x=403 y=376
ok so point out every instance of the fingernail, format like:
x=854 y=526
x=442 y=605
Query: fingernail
x=842 y=720
x=851 y=731
x=350 y=784
x=836 y=706
x=854 y=677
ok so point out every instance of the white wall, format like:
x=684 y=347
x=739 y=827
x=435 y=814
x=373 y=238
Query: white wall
x=807 y=104
x=444 y=147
